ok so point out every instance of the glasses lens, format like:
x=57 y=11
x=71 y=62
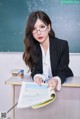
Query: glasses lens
x=42 y=29
x=34 y=30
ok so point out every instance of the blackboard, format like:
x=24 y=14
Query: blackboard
x=65 y=18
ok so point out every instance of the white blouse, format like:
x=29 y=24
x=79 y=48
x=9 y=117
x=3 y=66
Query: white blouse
x=47 y=73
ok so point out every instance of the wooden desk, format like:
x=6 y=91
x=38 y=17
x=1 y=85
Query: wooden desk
x=71 y=84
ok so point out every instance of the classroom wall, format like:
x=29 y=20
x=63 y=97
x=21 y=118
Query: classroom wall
x=9 y=61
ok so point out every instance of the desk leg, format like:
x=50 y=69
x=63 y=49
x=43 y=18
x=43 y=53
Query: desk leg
x=13 y=101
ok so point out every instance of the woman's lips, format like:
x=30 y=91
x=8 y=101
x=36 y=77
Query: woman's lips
x=40 y=38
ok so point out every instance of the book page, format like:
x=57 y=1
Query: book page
x=32 y=94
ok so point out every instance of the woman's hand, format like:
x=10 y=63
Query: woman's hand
x=38 y=80
x=53 y=83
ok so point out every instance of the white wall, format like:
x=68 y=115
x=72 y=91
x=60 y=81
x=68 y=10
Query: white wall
x=9 y=61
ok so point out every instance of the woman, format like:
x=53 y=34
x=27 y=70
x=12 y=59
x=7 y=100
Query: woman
x=46 y=55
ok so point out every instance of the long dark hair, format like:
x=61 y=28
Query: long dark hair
x=31 y=53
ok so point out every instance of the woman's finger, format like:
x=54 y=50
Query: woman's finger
x=38 y=81
x=52 y=83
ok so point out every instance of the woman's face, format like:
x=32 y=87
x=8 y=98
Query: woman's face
x=40 y=31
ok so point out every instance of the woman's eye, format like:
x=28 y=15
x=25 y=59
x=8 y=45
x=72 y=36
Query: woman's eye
x=42 y=26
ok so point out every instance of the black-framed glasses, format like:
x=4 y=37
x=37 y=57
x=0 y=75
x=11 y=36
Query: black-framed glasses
x=41 y=29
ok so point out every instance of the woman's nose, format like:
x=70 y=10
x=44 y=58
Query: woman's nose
x=38 y=32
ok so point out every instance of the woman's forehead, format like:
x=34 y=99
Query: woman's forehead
x=39 y=22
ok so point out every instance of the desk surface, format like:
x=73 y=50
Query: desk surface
x=71 y=81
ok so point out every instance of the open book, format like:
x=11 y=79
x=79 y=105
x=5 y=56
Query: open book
x=34 y=95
